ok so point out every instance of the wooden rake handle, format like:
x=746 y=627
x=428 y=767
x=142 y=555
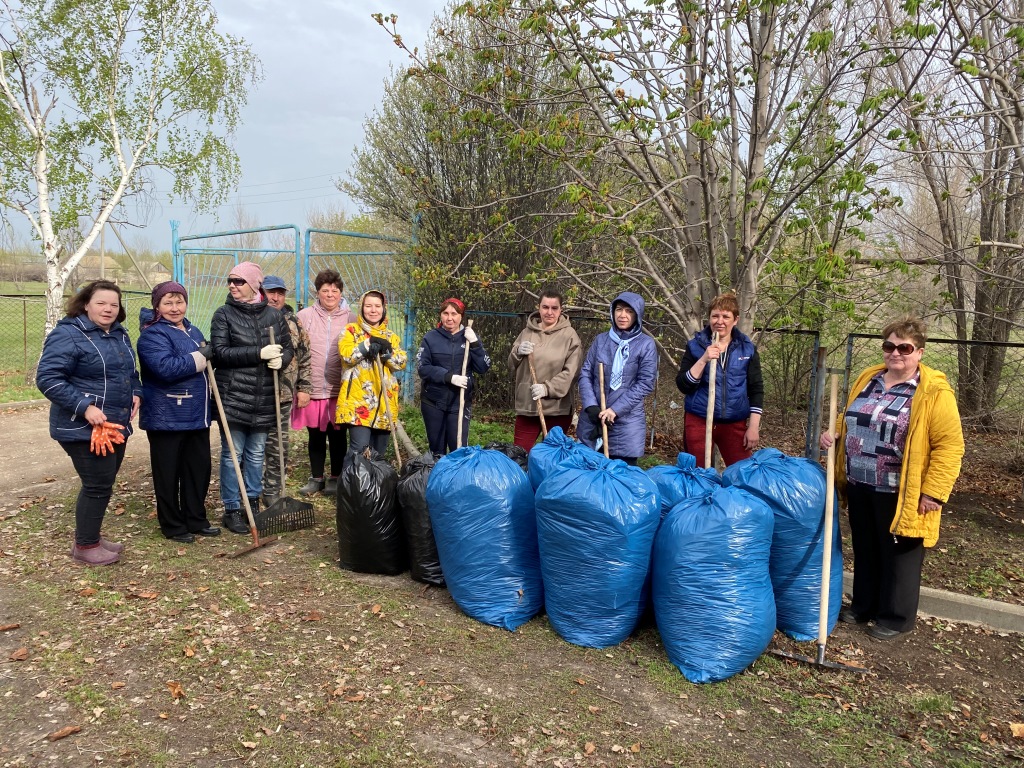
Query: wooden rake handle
x=540 y=405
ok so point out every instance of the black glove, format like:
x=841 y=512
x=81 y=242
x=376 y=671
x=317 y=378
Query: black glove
x=206 y=351
x=385 y=347
x=373 y=350
x=592 y=413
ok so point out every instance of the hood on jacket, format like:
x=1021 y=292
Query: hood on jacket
x=635 y=302
x=534 y=323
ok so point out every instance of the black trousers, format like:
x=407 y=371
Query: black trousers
x=886 y=568
x=97 y=474
x=335 y=436
x=443 y=426
x=181 y=478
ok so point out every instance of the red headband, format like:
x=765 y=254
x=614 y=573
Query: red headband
x=457 y=304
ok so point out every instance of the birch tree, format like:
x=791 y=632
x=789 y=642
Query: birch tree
x=98 y=98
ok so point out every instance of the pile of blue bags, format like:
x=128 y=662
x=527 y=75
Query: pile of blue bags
x=724 y=561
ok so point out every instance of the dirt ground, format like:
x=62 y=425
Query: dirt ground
x=180 y=655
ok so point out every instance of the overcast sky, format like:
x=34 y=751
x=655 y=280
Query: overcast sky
x=324 y=65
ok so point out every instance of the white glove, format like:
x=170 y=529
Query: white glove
x=460 y=381
x=471 y=336
x=525 y=348
x=270 y=352
x=200 y=361
x=274 y=363
x=538 y=391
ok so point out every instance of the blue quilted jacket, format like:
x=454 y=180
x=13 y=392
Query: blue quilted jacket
x=84 y=365
x=174 y=397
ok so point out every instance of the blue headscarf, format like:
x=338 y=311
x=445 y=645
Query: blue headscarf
x=622 y=338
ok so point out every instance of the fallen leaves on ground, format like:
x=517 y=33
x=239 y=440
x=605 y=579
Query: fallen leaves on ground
x=19 y=655
x=63 y=733
x=177 y=692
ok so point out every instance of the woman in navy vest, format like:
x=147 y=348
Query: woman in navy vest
x=739 y=388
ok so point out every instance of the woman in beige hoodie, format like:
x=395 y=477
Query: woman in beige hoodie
x=556 y=352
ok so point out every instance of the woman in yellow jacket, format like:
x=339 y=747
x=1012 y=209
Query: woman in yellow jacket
x=899 y=448
x=370 y=354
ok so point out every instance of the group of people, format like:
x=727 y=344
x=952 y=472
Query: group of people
x=899 y=443
x=326 y=369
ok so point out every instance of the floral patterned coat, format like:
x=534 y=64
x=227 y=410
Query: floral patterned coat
x=359 y=401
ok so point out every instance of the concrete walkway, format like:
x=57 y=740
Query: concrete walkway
x=33 y=463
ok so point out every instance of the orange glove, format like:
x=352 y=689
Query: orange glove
x=104 y=437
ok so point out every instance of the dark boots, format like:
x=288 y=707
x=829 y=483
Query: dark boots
x=234 y=520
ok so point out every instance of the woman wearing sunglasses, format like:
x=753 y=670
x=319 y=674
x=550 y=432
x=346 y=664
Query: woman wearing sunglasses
x=898 y=452
x=245 y=360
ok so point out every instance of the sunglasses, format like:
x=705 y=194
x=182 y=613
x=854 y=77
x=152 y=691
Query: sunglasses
x=904 y=349
x=236 y=281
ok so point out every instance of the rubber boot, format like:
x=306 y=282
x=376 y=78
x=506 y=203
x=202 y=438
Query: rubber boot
x=331 y=486
x=313 y=485
x=94 y=555
x=112 y=546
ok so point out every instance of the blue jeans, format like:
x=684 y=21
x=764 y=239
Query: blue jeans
x=250 y=445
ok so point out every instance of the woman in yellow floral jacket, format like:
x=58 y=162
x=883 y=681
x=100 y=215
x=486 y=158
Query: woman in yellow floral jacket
x=370 y=354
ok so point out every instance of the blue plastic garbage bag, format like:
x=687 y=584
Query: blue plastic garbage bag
x=682 y=481
x=481 y=509
x=712 y=594
x=795 y=490
x=595 y=527
x=554 y=450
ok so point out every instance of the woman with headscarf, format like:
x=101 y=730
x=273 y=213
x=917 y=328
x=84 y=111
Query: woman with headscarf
x=176 y=413
x=630 y=360
x=244 y=360
x=370 y=355
x=324 y=321
x=439 y=364
x=87 y=371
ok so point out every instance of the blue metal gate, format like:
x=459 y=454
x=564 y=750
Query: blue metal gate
x=202 y=262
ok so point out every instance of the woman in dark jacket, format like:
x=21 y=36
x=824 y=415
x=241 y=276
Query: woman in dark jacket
x=176 y=413
x=244 y=360
x=439 y=364
x=630 y=360
x=739 y=389
x=87 y=371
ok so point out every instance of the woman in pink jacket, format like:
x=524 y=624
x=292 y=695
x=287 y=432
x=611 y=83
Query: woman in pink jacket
x=324 y=321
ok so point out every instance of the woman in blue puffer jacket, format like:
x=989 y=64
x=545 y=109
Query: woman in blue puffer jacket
x=176 y=413
x=87 y=372
x=630 y=360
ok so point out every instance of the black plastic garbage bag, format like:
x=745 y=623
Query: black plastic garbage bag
x=515 y=452
x=370 y=537
x=424 y=563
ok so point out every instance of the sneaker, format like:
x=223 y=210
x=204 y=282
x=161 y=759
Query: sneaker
x=313 y=485
x=331 y=486
x=234 y=521
x=94 y=555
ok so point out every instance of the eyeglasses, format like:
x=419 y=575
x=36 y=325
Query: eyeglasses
x=904 y=349
x=236 y=281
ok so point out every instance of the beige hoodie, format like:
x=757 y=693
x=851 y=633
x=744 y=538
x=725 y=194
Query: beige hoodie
x=557 y=356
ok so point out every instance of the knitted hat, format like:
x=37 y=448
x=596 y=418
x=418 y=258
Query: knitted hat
x=163 y=289
x=251 y=273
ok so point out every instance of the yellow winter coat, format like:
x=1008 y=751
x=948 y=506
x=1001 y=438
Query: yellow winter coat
x=359 y=401
x=931 y=455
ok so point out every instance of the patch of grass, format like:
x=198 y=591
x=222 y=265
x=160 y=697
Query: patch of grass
x=493 y=426
x=934 y=704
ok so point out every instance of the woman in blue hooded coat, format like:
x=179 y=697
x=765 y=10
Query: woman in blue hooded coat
x=630 y=360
